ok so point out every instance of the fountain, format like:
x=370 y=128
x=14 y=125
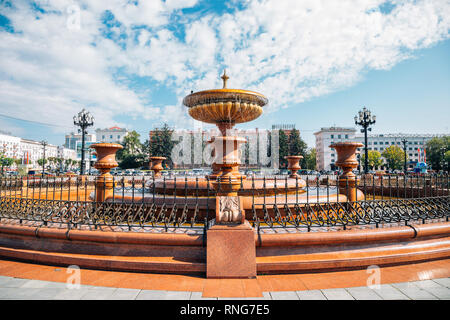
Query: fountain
x=202 y=224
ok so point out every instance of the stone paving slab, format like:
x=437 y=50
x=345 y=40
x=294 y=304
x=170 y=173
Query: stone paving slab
x=311 y=295
x=18 y=289
x=284 y=295
x=388 y=292
x=124 y=294
x=363 y=293
x=337 y=294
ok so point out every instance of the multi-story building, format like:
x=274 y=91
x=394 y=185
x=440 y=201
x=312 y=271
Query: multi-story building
x=72 y=139
x=326 y=157
x=286 y=128
x=113 y=134
x=30 y=151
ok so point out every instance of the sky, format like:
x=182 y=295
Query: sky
x=130 y=63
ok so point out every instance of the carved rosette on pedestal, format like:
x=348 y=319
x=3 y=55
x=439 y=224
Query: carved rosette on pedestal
x=106 y=160
x=346 y=159
x=157 y=167
x=293 y=165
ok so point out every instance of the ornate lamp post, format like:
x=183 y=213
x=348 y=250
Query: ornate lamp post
x=404 y=141
x=365 y=119
x=83 y=119
x=44 y=144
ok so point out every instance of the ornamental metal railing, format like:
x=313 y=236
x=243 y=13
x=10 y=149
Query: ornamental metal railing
x=144 y=203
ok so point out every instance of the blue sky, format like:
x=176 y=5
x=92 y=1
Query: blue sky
x=131 y=62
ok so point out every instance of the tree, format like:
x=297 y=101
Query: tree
x=297 y=146
x=284 y=148
x=374 y=159
x=394 y=156
x=436 y=149
x=131 y=146
x=161 y=144
x=42 y=162
x=447 y=159
x=310 y=159
x=5 y=161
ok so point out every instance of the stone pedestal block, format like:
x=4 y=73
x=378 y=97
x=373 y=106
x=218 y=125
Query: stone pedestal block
x=230 y=251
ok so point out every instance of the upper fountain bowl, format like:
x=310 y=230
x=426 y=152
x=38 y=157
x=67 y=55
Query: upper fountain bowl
x=225 y=105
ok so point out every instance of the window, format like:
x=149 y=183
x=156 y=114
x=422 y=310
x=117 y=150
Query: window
x=375 y=142
x=392 y=142
x=410 y=148
x=346 y=136
x=118 y=137
x=110 y=136
x=381 y=149
x=339 y=136
x=332 y=136
x=103 y=136
x=375 y=148
x=386 y=142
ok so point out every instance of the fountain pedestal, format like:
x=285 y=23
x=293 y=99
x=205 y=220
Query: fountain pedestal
x=230 y=242
x=294 y=165
x=346 y=159
x=106 y=160
x=156 y=165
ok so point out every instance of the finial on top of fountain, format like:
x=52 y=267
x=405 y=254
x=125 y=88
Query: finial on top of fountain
x=225 y=78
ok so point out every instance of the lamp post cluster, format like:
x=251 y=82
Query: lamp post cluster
x=83 y=119
x=365 y=119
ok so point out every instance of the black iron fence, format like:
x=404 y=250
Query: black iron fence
x=140 y=203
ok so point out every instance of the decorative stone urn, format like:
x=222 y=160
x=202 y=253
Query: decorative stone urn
x=157 y=167
x=293 y=165
x=346 y=159
x=106 y=160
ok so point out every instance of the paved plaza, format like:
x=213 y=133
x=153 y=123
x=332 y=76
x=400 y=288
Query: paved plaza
x=17 y=288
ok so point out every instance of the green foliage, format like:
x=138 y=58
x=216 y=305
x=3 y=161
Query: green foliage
x=132 y=146
x=310 y=159
x=374 y=159
x=42 y=162
x=436 y=152
x=298 y=147
x=284 y=148
x=394 y=156
x=161 y=144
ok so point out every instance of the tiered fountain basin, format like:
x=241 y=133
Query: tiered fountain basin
x=258 y=196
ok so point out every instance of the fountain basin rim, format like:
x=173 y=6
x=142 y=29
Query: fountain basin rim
x=201 y=97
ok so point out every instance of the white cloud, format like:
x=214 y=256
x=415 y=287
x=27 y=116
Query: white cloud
x=289 y=50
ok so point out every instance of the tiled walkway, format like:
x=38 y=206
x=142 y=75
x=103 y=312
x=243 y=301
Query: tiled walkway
x=16 y=288
x=428 y=280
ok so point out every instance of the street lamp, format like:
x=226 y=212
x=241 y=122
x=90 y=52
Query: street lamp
x=365 y=119
x=84 y=119
x=44 y=144
x=404 y=141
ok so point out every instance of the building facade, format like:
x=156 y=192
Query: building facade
x=326 y=157
x=72 y=140
x=30 y=151
x=111 y=135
